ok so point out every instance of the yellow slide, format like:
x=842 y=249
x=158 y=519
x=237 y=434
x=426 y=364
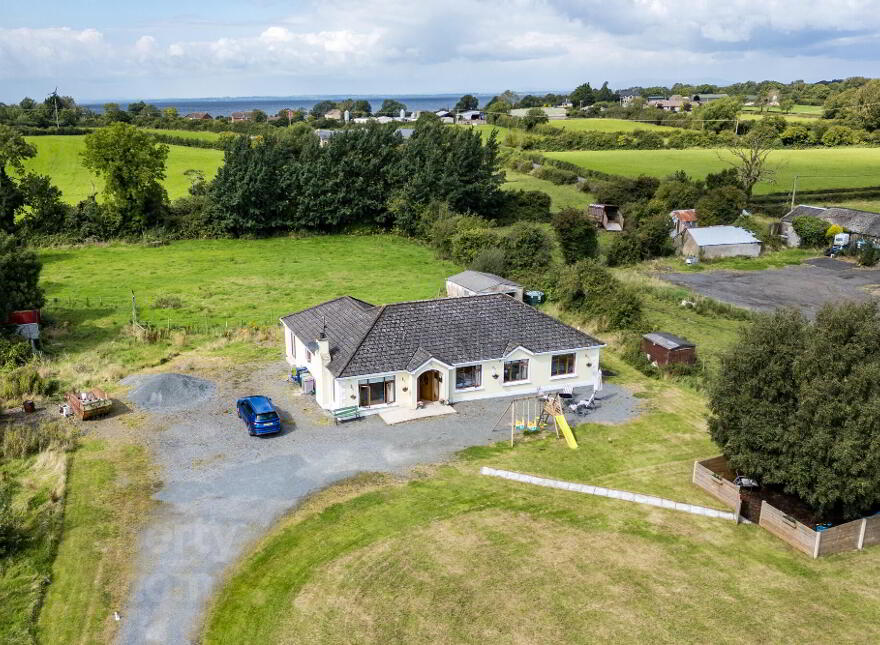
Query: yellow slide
x=562 y=424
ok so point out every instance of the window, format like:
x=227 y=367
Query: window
x=376 y=391
x=562 y=364
x=516 y=371
x=267 y=416
x=470 y=376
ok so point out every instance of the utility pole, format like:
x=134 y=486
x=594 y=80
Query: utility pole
x=793 y=191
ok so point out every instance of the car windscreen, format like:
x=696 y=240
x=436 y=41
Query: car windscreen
x=267 y=416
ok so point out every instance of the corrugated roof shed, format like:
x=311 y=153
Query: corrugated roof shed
x=479 y=281
x=721 y=235
x=669 y=341
x=685 y=215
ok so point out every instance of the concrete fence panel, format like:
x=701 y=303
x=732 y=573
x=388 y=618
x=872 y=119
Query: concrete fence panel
x=837 y=539
x=872 y=531
x=706 y=477
x=788 y=529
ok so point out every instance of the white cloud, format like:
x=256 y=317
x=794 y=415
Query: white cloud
x=396 y=44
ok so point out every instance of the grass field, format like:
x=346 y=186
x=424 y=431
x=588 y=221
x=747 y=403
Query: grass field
x=794 y=118
x=109 y=495
x=609 y=125
x=837 y=167
x=455 y=557
x=38 y=493
x=214 y=283
x=59 y=157
x=561 y=196
x=201 y=135
x=815 y=110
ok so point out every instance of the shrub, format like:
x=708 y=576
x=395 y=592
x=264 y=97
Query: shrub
x=168 y=302
x=624 y=249
x=811 y=230
x=649 y=240
x=529 y=249
x=721 y=205
x=468 y=244
x=17 y=442
x=23 y=381
x=14 y=351
x=578 y=237
x=833 y=230
x=589 y=289
x=445 y=228
x=525 y=205
x=555 y=175
x=839 y=135
x=796 y=135
x=868 y=255
x=491 y=261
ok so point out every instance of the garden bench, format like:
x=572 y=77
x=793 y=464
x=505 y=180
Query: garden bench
x=346 y=414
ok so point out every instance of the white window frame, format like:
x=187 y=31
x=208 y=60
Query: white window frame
x=469 y=388
x=504 y=380
x=570 y=374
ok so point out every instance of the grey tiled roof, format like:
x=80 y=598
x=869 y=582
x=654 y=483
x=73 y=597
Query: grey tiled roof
x=371 y=340
x=850 y=219
x=478 y=281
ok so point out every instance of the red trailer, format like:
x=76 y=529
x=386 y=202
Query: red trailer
x=25 y=317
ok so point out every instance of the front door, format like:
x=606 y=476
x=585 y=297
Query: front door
x=429 y=386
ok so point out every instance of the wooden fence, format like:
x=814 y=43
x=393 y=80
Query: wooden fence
x=851 y=536
x=721 y=489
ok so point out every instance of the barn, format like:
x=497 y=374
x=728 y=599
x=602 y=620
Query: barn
x=662 y=349
x=709 y=242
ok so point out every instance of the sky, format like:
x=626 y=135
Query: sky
x=122 y=49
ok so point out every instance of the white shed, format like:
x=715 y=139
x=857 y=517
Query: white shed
x=720 y=242
x=472 y=283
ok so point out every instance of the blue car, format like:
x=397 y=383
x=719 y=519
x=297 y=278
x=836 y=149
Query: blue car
x=259 y=415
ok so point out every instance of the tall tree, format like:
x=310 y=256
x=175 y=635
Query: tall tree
x=578 y=237
x=750 y=154
x=133 y=166
x=467 y=102
x=19 y=277
x=390 y=107
x=583 y=96
x=14 y=150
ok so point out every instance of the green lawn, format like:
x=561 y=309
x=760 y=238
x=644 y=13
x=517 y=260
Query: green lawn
x=109 y=495
x=561 y=196
x=38 y=493
x=59 y=157
x=830 y=163
x=455 y=557
x=794 y=118
x=797 y=109
x=201 y=135
x=214 y=284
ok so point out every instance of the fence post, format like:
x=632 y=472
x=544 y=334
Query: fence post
x=862 y=528
x=817 y=543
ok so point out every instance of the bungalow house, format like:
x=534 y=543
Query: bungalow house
x=198 y=116
x=470 y=116
x=473 y=283
x=682 y=220
x=702 y=99
x=235 y=117
x=720 y=242
x=552 y=113
x=859 y=224
x=446 y=349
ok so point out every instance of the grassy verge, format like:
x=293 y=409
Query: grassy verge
x=771 y=260
x=38 y=486
x=59 y=157
x=109 y=493
x=452 y=556
x=560 y=196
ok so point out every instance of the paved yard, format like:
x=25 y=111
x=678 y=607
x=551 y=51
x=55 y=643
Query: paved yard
x=224 y=489
x=806 y=287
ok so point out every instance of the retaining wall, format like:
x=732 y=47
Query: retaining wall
x=706 y=478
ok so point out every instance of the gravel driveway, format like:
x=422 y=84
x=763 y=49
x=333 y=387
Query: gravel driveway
x=806 y=287
x=223 y=489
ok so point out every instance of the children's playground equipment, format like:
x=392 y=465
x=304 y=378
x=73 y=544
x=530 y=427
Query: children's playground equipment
x=534 y=414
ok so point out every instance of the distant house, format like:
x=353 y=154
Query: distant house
x=324 y=136
x=474 y=283
x=198 y=116
x=443 y=113
x=859 y=224
x=683 y=220
x=720 y=242
x=447 y=119
x=384 y=119
x=334 y=114
x=241 y=116
x=553 y=113
x=607 y=216
x=675 y=103
x=470 y=116
x=662 y=349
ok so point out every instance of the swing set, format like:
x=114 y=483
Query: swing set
x=534 y=414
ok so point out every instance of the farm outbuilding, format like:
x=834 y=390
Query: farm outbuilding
x=859 y=224
x=607 y=216
x=683 y=220
x=473 y=283
x=720 y=242
x=662 y=349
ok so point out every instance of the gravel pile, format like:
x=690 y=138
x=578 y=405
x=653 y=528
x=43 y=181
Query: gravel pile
x=168 y=392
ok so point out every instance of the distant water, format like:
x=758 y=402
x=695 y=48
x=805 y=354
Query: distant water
x=271 y=105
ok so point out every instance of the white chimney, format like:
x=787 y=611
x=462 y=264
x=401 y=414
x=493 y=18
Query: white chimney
x=347 y=116
x=324 y=348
